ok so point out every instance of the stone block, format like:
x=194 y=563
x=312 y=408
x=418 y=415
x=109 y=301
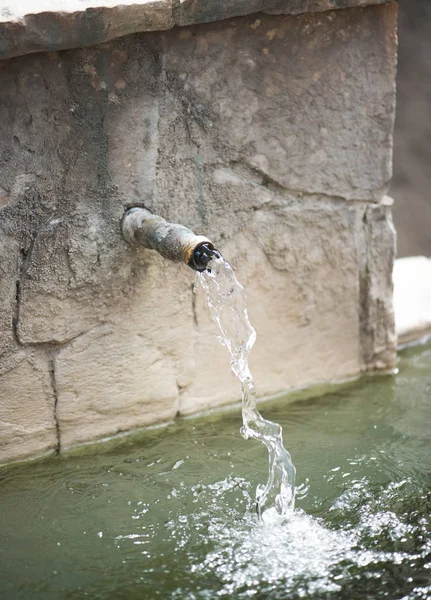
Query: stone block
x=129 y=372
x=190 y=12
x=303 y=103
x=9 y=269
x=377 y=321
x=299 y=262
x=27 y=407
x=61 y=24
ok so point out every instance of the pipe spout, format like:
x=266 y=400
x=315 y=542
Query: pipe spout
x=172 y=241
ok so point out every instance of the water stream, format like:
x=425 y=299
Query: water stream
x=226 y=300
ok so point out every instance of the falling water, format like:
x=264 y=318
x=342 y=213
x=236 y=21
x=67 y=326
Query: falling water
x=226 y=299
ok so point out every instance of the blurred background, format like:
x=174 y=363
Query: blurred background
x=411 y=184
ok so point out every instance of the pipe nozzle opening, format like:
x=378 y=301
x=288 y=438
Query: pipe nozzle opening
x=202 y=255
x=173 y=241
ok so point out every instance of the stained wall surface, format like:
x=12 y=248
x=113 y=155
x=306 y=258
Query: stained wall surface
x=269 y=133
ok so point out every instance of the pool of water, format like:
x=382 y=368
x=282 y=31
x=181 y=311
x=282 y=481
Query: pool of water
x=170 y=513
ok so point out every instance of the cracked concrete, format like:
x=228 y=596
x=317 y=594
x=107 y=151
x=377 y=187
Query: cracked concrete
x=270 y=134
x=55 y=394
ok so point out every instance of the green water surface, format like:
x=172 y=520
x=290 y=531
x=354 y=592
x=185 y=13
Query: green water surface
x=170 y=513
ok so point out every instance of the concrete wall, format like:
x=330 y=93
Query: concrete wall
x=270 y=134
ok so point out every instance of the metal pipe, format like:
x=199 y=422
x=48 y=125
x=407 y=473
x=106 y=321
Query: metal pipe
x=172 y=241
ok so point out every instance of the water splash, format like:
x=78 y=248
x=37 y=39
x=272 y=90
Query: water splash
x=226 y=300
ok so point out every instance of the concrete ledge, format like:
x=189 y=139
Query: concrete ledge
x=412 y=298
x=27 y=26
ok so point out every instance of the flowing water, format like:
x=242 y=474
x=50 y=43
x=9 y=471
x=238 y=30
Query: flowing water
x=226 y=299
x=170 y=513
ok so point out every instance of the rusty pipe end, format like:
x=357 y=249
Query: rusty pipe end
x=174 y=242
x=201 y=256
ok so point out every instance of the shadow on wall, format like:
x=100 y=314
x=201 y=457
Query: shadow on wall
x=411 y=184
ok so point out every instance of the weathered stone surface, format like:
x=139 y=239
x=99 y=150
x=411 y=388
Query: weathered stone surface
x=377 y=326
x=129 y=372
x=27 y=406
x=9 y=264
x=298 y=261
x=412 y=298
x=111 y=127
x=308 y=269
x=268 y=101
x=61 y=24
x=273 y=138
x=190 y=12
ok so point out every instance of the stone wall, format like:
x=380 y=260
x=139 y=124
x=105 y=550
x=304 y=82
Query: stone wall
x=269 y=133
